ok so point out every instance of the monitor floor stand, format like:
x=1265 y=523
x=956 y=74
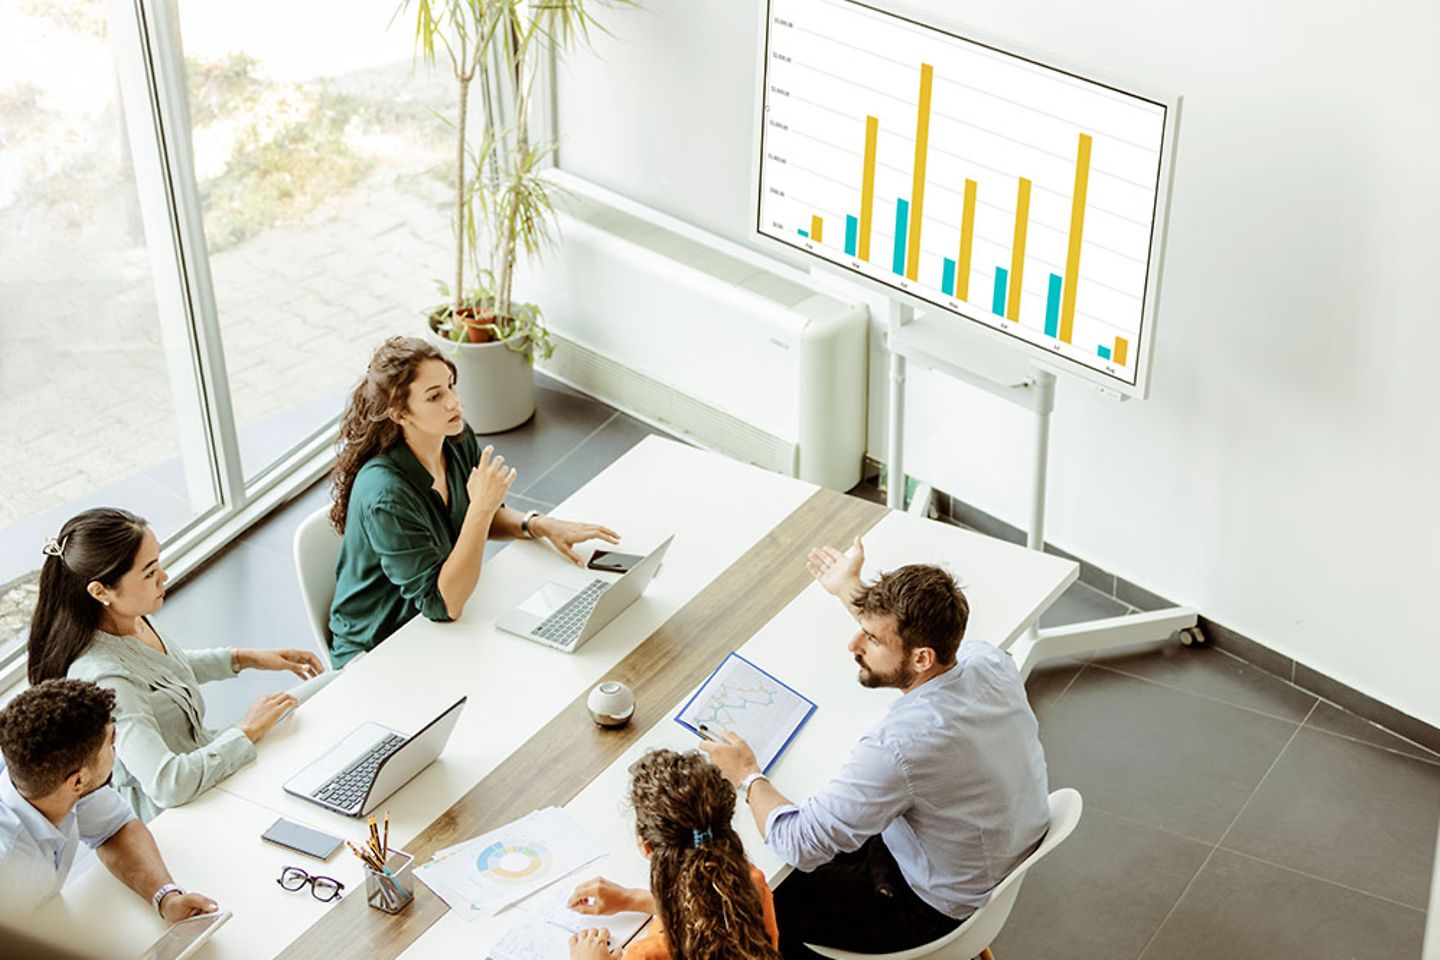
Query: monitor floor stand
x=1036 y=393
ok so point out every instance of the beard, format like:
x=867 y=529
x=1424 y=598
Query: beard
x=100 y=786
x=899 y=678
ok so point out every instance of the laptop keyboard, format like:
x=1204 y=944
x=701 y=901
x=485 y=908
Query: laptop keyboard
x=563 y=627
x=348 y=788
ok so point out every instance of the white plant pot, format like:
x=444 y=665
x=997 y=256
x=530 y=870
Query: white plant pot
x=496 y=384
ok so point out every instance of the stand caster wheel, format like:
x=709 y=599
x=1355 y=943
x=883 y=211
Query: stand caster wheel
x=1192 y=637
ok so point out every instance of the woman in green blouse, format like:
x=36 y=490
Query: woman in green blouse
x=416 y=499
x=100 y=582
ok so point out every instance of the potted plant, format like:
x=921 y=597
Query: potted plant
x=506 y=201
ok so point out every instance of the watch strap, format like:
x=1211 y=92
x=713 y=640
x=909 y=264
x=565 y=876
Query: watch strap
x=748 y=782
x=165 y=891
x=525 y=530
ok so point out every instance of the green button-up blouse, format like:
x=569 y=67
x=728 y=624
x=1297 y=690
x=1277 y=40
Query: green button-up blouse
x=398 y=534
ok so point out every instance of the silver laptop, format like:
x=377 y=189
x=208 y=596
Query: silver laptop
x=564 y=617
x=360 y=772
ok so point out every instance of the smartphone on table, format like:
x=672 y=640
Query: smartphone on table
x=610 y=561
x=292 y=836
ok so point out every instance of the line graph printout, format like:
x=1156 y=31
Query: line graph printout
x=1017 y=195
x=742 y=698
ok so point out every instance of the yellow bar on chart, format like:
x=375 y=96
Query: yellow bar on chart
x=967 y=247
x=1122 y=350
x=816 y=225
x=1017 y=250
x=917 y=187
x=867 y=187
x=1077 y=229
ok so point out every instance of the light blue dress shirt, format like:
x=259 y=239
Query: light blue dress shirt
x=952 y=778
x=36 y=855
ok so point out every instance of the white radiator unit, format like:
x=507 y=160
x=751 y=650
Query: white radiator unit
x=701 y=337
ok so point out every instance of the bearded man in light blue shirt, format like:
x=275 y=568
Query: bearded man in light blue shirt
x=58 y=743
x=938 y=801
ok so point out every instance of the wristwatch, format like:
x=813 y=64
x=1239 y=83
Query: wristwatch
x=525 y=524
x=164 y=892
x=748 y=782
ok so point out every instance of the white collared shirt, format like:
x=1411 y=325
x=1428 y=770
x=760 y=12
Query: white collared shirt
x=36 y=855
x=952 y=777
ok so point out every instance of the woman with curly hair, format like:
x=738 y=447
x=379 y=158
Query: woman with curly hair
x=416 y=499
x=709 y=901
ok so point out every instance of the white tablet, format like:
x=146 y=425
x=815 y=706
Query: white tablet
x=185 y=937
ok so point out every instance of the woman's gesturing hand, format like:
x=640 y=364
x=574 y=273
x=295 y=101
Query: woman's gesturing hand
x=488 y=483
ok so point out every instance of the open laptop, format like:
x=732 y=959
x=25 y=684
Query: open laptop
x=564 y=617
x=360 y=772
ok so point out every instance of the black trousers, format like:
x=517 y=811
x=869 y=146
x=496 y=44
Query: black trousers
x=858 y=901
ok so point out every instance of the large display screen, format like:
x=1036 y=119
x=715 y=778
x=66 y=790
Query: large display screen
x=1015 y=194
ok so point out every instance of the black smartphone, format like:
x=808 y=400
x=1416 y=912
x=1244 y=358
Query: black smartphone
x=312 y=843
x=611 y=562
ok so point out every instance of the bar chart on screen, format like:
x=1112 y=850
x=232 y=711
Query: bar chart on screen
x=1013 y=193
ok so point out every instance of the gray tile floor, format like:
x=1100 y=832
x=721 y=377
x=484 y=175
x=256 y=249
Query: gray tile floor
x=1227 y=813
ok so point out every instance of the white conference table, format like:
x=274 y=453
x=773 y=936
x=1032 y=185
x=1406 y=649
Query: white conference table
x=717 y=509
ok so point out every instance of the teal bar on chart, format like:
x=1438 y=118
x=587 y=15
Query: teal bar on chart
x=947 y=278
x=1104 y=352
x=1002 y=277
x=852 y=232
x=902 y=230
x=804 y=233
x=1052 y=306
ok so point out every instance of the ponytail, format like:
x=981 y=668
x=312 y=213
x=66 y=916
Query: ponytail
x=704 y=894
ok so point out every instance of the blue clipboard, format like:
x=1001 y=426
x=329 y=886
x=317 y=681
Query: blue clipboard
x=760 y=670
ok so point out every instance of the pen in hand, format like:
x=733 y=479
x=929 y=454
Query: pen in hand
x=704 y=731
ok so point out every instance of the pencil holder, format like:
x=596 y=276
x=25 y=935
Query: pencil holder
x=391 y=891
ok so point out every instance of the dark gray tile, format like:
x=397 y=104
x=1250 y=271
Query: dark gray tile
x=592 y=456
x=563 y=420
x=1138 y=597
x=1214 y=673
x=1102 y=580
x=246 y=598
x=1332 y=719
x=1102 y=893
x=976 y=519
x=1047 y=684
x=1368 y=707
x=1158 y=755
x=1081 y=603
x=1347 y=812
x=1246 y=649
x=1241 y=909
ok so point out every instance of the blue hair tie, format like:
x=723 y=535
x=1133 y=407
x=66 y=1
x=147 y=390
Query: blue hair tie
x=703 y=836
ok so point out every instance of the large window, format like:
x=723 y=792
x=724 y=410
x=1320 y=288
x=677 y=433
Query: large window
x=98 y=395
x=324 y=175
x=210 y=214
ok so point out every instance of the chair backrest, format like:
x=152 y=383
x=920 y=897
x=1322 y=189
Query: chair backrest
x=984 y=925
x=317 y=548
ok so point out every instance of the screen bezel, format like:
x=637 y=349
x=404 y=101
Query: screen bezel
x=1048 y=359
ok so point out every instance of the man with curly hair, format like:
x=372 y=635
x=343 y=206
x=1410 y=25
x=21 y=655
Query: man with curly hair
x=58 y=744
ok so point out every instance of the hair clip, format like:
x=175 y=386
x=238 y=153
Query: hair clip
x=55 y=548
x=703 y=836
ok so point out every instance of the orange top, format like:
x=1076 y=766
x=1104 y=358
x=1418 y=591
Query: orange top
x=656 y=946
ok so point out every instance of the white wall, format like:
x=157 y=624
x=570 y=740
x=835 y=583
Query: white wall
x=1283 y=476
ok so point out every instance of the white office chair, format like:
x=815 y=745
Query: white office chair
x=317 y=547
x=973 y=937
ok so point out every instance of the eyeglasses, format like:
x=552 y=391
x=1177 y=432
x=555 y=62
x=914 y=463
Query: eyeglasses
x=323 y=889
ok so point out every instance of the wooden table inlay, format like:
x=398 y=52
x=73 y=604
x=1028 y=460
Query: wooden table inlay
x=568 y=753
